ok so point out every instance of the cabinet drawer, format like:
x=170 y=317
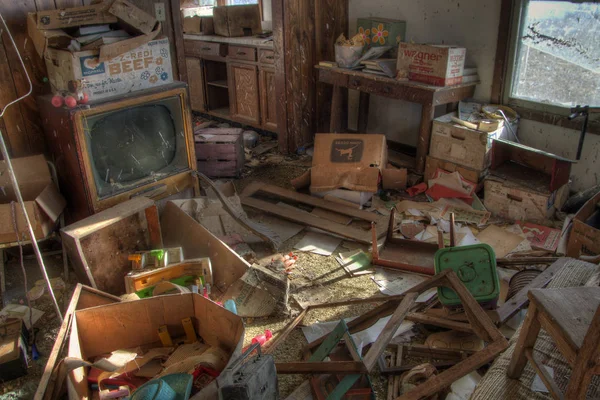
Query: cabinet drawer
x=366 y=85
x=242 y=53
x=198 y=48
x=266 y=56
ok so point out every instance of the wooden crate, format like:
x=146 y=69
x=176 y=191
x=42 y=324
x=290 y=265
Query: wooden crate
x=584 y=237
x=220 y=151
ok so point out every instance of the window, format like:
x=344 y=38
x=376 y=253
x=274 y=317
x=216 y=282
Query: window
x=238 y=2
x=205 y=7
x=554 y=61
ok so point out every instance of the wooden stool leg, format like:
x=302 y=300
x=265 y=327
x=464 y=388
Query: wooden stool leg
x=2 y=274
x=586 y=361
x=337 y=112
x=527 y=338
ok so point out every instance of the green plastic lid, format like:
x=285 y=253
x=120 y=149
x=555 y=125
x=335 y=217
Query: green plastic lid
x=475 y=266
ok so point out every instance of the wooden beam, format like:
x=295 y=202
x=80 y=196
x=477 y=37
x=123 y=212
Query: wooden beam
x=390 y=328
x=178 y=43
x=441 y=322
x=327 y=367
x=278 y=9
x=502 y=46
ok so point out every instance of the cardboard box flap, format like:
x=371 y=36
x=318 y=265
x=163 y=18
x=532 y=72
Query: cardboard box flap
x=110 y=51
x=350 y=150
x=75 y=16
x=44 y=38
x=133 y=17
x=359 y=179
x=51 y=202
x=32 y=174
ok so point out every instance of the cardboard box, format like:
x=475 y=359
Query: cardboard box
x=232 y=21
x=463 y=146
x=348 y=161
x=584 y=237
x=145 y=67
x=44 y=38
x=135 y=18
x=432 y=164
x=100 y=330
x=437 y=65
x=75 y=16
x=43 y=202
x=506 y=199
x=13 y=354
x=382 y=31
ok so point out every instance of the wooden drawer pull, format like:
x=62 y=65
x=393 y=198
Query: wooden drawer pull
x=387 y=90
x=454 y=136
x=241 y=53
x=270 y=57
x=355 y=82
x=513 y=197
x=207 y=48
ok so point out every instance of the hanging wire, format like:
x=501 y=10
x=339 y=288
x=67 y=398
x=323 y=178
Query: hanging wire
x=15 y=184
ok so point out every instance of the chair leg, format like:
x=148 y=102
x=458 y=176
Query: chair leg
x=527 y=338
x=2 y=277
x=586 y=361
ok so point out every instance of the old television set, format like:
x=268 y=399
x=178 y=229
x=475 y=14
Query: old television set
x=140 y=144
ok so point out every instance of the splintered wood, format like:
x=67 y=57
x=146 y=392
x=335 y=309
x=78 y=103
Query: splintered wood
x=250 y=198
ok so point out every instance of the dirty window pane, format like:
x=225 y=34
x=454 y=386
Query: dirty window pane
x=558 y=55
x=237 y=2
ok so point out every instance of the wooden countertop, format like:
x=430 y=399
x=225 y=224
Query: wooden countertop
x=242 y=41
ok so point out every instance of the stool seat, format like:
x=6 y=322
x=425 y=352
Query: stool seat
x=571 y=309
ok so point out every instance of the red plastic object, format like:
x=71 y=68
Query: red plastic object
x=262 y=339
x=57 y=101
x=70 y=101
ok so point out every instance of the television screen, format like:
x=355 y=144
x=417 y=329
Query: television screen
x=132 y=146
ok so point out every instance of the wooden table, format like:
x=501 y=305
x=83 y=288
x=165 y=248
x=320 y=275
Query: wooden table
x=428 y=96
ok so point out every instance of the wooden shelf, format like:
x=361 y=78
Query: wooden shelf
x=222 y=112
x=219 y=83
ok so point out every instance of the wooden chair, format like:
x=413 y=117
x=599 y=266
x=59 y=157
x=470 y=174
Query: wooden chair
x=571 y=316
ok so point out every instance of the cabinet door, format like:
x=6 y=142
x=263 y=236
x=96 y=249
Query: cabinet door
x=268 y=101
x=195 y=83
x=243 y=93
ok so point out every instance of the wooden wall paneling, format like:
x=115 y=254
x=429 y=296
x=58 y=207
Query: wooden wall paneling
x=68 y=3
x=178 y=42
x=15 y=15
x=331 y=20
x=300 y=39
x=12 y=122
x=278 y=9
x=501 y=51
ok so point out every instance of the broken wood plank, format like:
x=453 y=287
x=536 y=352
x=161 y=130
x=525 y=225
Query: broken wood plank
x=271 y=345
x=520 y=300
x=441 y=322
x=327 y=367
x=388 y=331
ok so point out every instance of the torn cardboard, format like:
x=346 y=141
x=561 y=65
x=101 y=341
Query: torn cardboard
x=94 y=14
x=43 y=201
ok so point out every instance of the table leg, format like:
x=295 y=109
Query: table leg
x=337 y=111
x=424 y=136
x=363 y=112
x=2 y=275
x=527 y=338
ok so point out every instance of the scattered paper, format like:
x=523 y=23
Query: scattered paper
x=355 y=262
x=537 y=385
x=393 y=283
x=541 y=237
x=468 y=215
x=464 y=387
x=318 y=243
x=502 y=241
x=21 y=312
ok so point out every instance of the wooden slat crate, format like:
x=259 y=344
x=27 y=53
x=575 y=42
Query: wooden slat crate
x=219 y=151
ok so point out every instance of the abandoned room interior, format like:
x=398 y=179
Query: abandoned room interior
x=299 y=199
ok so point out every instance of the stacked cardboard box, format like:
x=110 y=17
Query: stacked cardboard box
x=103 y=50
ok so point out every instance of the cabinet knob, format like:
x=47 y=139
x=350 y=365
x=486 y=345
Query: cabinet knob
x=206 y=48
x=241 y=53
x=355 y=82
x=387 y=90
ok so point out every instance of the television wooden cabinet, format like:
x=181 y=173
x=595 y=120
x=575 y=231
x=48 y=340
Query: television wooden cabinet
x=139 y=144
x=232 y=78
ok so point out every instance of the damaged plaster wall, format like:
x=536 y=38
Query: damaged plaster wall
x=472 y=24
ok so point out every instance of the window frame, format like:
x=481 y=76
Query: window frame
x=510 y=26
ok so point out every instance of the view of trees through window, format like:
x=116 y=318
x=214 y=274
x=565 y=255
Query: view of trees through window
x=558 y=57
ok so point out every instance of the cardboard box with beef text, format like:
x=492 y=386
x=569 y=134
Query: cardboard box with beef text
x=437 y=65
x=348 y=161
x=43 y=201
x=145 y=67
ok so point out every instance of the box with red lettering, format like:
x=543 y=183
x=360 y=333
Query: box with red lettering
x=145 y=67
x=438 y=65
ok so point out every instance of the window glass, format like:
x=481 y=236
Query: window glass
x=558 y=54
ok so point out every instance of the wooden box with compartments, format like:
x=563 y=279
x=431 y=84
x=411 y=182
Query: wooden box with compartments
x=220 y=151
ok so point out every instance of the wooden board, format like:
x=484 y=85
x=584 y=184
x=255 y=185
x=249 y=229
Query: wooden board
x=146 y=278
x=305 y=218
x=83 y=297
